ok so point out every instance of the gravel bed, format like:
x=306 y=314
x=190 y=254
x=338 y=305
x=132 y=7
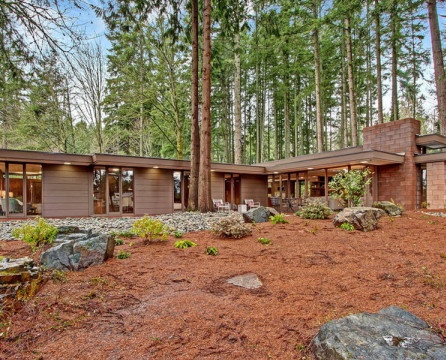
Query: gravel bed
x=180 y=221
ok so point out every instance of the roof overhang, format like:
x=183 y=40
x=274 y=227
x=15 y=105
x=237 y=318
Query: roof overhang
x=39 y=157
x=171 y=164
x=431 y=141
x=140 y=162
x=429 y=158
x=337 y=159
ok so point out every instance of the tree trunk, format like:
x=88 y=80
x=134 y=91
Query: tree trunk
x=437 y=55
x=351 y=84
x=204 y=185
x=379 y=88
x=237 y=101
x=394 y=76
x=195 y=128
x=317 y=76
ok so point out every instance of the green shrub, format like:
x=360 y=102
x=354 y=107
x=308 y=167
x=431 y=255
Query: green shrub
x=264 y=241
x=119 y=241
x=278 y=219
x=347 y=226
x=232 y=227
x=36 y=233
x=124 y=234
x=211 y=250
x=183 y=244
x=123 y=255
x=150 y=229
x=315 y=209
x=178 y=234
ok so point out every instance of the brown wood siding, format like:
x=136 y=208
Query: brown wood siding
x=218 y=185
x=65 y=190
x=255 y=187
x=153 y=191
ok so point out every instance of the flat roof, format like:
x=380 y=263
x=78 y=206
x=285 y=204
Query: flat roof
x=328 y=159
x=431 y=141
x=337 y=158
x=429 y=158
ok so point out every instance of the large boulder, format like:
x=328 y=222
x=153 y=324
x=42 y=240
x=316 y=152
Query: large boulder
x=259 y=215
x=390 y=208
x=392 y=333
x=362 y=218
x=77 y=251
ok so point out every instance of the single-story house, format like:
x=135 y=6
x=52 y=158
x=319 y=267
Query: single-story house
x=408 y=168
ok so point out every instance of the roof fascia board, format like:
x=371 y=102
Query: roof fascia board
x=428 y=158
x=434 y=141
x=39 y=157
x=371 y=157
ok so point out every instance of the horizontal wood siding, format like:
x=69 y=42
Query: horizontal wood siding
x=254 y=187
x=153 y=191
x=65 y=190
x=218 y=185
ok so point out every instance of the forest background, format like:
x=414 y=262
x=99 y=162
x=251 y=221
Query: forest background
x=288 y=77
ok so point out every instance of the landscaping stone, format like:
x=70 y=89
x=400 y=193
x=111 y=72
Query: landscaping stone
x=247 y=281
x=77 y=251
x=20 y=279
x=390 y=208
x=392 y=333
x=258 y=215
x=362 y=218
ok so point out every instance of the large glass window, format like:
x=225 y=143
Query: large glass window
x=2 y=189
x=33 y=189
x=99 y=187
x=112 y=190
x=127 y=191
x=16 y=198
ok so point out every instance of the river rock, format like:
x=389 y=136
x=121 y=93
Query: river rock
x=362 y=218
x=390 y=208
x=392 y=333
x=258 y=215
x=77 y=251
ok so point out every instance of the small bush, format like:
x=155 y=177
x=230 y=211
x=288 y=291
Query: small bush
x=264 y=241
x=315 y=209
x=278 y=219
x=36 y=233
x=347 y=226
x=124 y=234
x=211 y=250
x=150 y=229
x=178 y=234
x=183 y=244
x=123 y=255
x=232 y=227
x=119 y=241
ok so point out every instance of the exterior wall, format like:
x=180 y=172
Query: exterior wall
x=153 y=191
x=254 y=187
x=65 y=190
x=397 y=182
x=218 y=185
x=436 y=185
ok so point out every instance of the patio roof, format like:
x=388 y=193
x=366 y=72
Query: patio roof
x=428 y=158
x=337 y=158
x=39 y=157
x=431 y=141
